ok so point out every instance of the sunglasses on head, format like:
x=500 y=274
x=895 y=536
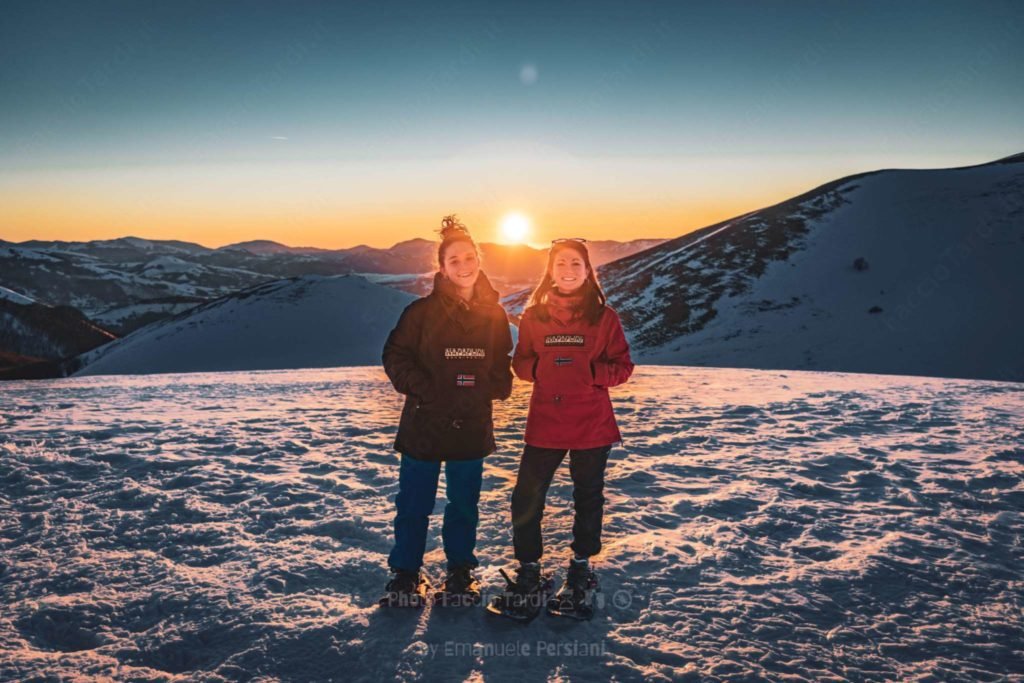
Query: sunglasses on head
x=562 y=240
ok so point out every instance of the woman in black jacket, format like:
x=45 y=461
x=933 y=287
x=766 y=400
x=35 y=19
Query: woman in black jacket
x=449 y=355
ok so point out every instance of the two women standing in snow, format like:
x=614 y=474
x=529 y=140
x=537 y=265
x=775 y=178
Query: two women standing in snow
x=449 y=355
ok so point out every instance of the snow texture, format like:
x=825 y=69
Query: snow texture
x=760 y=525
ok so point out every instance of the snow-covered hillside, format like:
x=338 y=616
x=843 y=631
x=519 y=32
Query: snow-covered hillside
x=14 y=297
x=31 y=332
x=606 y=251
x=127 y=318
x=760 y=525
x=306 y=322
x=899 y=271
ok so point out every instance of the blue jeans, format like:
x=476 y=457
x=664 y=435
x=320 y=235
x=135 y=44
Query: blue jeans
x=417 y=490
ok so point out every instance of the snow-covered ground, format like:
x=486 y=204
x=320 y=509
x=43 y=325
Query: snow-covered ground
x=760 y=525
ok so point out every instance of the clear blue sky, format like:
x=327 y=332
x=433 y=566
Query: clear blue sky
x=218 y=121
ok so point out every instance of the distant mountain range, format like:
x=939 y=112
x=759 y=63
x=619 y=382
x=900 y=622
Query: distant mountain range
x=123 y=284
x=60 y=299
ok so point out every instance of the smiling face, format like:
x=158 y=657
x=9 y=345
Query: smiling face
x=461 y=265
x=568 y=270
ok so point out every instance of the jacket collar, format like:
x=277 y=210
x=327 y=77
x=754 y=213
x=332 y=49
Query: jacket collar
x=564 y=307
x=484 y=292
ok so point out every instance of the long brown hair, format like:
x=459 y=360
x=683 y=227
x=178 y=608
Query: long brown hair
x=451 y=231
x=593 y=296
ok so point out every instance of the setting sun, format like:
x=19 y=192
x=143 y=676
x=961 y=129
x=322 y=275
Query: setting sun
x=515 y=228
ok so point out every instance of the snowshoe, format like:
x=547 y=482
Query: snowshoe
x=523 y=597
x=406 y=589
x=577 y=596
x=460 y=589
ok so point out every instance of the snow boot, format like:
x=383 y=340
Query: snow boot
x=523 y=597
x=577 y=596
x=460 y=588
x=406 y=589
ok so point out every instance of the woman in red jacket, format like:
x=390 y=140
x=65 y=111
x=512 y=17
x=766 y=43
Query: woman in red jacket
x=572 y=347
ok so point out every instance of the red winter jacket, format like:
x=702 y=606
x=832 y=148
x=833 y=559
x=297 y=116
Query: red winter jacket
x=571 y=363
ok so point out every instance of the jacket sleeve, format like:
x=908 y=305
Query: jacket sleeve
x=614 y=366
x=399 y=357
x=501 y=373
x=524 y=360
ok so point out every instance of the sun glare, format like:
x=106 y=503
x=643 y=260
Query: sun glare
x=515 y=228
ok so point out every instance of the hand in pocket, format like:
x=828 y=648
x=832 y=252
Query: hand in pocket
x=564 y=372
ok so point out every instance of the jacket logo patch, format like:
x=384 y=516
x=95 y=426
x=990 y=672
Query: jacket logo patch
x=563 y=340
x=563 y=360
x=464 y=380
x=463 y=352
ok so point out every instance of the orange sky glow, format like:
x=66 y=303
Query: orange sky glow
x=342 y=205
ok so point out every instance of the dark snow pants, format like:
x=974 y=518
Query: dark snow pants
x=536 y=470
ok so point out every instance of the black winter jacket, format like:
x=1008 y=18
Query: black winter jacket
x=451 y=359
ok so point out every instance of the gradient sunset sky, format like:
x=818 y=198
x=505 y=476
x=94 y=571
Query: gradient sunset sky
x=335 y=124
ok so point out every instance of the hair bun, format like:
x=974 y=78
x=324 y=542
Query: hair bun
x=450 y=227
